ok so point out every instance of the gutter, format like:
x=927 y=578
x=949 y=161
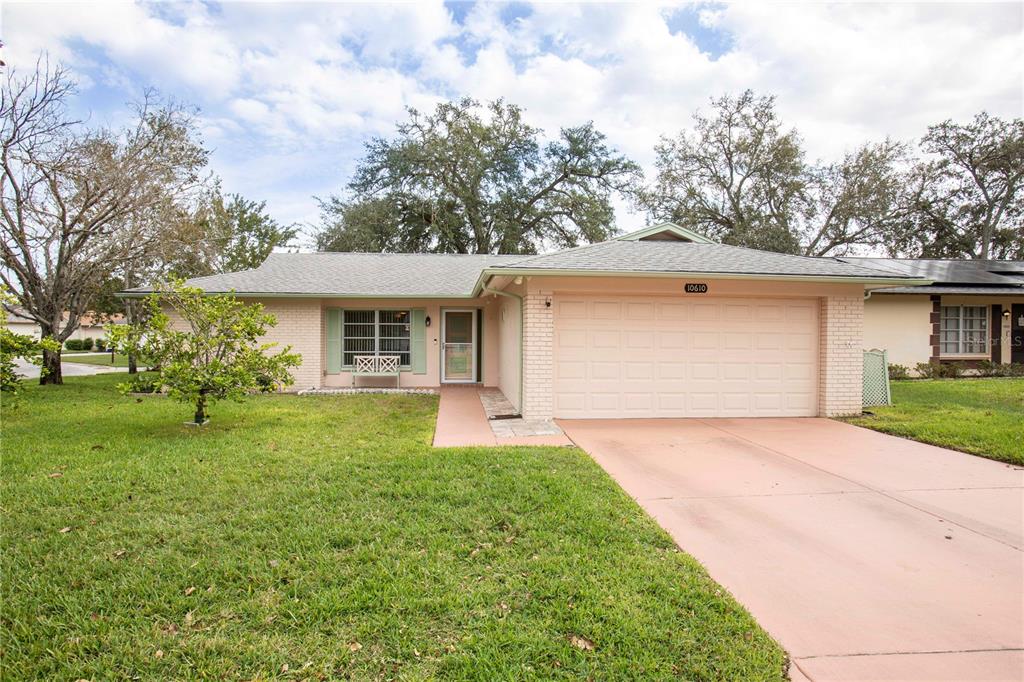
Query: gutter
x=486 y=273
x=522 y=331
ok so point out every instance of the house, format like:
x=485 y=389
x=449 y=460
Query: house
x=662 y=322
x=90 y=326
x=973 y=310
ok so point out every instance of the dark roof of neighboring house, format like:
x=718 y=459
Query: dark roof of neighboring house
x=968 y=277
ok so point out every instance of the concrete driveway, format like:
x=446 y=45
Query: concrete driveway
x=868 y=557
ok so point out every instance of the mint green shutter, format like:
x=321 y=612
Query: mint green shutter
x=418 y=341
x=333 y=340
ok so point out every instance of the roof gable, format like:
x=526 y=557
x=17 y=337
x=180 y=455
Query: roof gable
x=666 y=231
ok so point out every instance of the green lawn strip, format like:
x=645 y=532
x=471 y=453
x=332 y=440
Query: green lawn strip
x=97 y=359
x=981 y=416
x=326 y=535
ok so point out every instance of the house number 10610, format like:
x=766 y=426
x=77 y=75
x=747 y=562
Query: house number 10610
x=696 y=288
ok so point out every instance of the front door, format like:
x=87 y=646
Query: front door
x=458 y=346
x=1017 y=333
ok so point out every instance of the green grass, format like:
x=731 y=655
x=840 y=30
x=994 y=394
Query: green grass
x=104 y=359
x=981 y=416
x=326 y=535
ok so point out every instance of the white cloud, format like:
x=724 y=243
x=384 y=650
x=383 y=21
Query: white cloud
x=289 y=91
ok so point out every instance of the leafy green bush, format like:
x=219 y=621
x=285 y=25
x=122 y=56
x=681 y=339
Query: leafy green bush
x=143 y=383
x=73 y=344
x=897 y=372
x=17 y=346
x=87 y=343
x=940 y=370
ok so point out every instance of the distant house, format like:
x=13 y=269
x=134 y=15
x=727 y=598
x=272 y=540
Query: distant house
x=662 y=322
x=973 y=310
x=91 y=325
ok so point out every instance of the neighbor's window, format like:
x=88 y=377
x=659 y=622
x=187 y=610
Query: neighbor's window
x=964 y=329
x=375 y=332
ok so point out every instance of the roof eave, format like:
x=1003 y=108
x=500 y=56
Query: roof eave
x=278 y=294
x=833 y=279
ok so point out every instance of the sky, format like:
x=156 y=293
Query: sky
x=289 y=92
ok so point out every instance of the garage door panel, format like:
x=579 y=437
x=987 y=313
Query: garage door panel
x=634 y=357
x=704 y=340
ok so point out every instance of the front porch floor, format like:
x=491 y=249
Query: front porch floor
x=462 y=421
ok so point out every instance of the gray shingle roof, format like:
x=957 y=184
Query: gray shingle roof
x=662 y=256
x=454 y=275
x=354 y=274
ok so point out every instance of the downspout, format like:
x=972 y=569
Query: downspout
x=517 y=297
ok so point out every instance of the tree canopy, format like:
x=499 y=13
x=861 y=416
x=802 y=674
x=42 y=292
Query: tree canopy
x=739 y=176
x=473 y=178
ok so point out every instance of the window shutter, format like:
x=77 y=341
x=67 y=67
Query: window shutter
x=418 y=342
x=333 y=340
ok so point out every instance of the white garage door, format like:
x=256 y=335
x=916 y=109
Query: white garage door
x=716 y=357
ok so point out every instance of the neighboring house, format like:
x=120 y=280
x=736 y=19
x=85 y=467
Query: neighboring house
x=90 y=326
x=657 y=323
x=974 y=310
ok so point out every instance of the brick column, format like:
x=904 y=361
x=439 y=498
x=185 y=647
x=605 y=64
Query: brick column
x=538 y=361
x=841 y=359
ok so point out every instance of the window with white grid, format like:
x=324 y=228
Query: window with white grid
x=376 y=332
x=963 y=330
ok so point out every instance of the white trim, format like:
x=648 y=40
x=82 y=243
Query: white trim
x=668 y=226
x=473 y=353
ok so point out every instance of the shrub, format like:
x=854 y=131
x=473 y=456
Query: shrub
x=73 y=344
x=952 y=370
x=143 y=383
x=897 y=371
x=87 y=343
x=928 y=370
x=987 y=368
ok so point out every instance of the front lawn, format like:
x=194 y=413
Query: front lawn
x=980 y=416
x=323 y=538
x=97 y=359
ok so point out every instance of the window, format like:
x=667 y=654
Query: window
x=964 y=329
x=375 y=332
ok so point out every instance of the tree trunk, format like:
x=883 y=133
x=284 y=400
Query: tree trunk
x=201 y=408
x=133 y=366
x=51 y=368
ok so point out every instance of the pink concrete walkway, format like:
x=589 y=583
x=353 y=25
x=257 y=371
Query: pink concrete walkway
x=868 y=557
x=461 y=422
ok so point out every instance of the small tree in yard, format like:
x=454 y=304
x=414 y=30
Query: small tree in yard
x=212 y=353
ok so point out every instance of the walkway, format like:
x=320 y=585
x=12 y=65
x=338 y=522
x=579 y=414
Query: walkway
x=462 y=421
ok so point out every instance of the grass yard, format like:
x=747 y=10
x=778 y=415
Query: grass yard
x=97 y=359
x=981 y=416
x=323 y=538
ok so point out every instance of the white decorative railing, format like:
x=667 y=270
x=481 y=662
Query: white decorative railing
x=377 y=365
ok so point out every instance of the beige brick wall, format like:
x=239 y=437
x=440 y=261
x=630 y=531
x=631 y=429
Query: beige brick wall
x=841 y=360
x=298 y=325
x=538 y=356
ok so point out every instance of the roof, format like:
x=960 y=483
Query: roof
x=662 y=250
x=992 y=277
x=363 y=275
x=691 y=258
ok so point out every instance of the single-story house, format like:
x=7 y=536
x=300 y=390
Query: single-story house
x=91 y=326
x=973 y=310
x=662 y=322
